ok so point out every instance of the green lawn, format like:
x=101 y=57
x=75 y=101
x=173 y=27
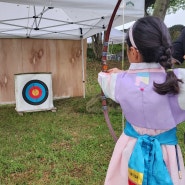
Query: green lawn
x=71 y=146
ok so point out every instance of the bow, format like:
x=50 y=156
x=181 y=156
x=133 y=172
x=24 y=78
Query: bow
x=105 y=68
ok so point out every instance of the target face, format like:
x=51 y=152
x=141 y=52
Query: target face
x=35 y=92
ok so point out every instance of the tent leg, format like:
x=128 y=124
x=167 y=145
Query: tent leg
x=83 y=71
x=123 y=57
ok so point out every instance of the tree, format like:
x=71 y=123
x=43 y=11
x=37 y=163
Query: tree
x=173 y=6
x=160 y=8
x=97 y=45
x=175 y=31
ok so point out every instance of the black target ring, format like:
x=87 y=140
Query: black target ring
x=35 y=92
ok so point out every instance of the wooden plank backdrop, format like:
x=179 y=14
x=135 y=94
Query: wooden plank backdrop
x=63 y=58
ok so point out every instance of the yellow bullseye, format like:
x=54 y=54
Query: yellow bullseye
x=35 y=92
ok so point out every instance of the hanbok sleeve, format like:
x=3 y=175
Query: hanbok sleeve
x=107 y=82
x=178 y=102
x=181 y=95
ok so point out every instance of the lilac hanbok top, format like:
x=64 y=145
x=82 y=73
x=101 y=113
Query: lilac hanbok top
x=141 y=105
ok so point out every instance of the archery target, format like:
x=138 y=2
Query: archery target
x=33 y=92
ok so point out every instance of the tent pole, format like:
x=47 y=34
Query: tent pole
x=83 y=71
x=123 y=57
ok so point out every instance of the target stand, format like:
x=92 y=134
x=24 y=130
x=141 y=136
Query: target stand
x=33 y=92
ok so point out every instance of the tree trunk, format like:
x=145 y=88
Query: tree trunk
x=160 y=8
x=97 y=45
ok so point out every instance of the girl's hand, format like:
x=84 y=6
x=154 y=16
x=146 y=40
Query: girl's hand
x=114 y=70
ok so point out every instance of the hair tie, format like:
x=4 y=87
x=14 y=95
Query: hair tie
x=130 y=33
x=168 y=70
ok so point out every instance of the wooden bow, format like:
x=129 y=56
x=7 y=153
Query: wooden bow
x=105 y=68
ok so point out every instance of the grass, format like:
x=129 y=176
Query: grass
x=69 y=147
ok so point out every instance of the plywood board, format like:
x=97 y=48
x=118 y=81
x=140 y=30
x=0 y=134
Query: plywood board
x=62 y=58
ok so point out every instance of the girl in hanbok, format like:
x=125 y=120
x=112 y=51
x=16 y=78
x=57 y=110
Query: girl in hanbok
x=152 y=98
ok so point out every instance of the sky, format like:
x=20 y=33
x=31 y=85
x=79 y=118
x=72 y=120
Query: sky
x=177 y=18
x=170 y=20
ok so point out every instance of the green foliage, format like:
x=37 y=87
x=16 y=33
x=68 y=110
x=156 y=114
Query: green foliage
x=115 y=48
x=174 y=5
x=70 y=146
x=90 y=53
x=175 y=31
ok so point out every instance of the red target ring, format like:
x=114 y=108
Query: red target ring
x=35 y=92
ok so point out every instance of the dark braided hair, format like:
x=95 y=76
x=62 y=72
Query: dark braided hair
x=152 y=38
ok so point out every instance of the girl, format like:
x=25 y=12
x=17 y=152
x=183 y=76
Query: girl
x=152 y=97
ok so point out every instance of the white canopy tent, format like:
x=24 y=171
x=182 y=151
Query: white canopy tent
x=116 y=37
x=63 y=19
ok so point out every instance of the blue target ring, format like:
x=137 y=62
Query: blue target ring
x=35 y=92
